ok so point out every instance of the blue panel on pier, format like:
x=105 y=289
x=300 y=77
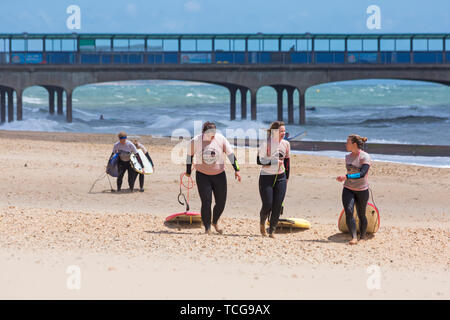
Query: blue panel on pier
x=91 y=58
x=225 y=57
x=385 y=57
x=324 y=57
x=60 y=58
x=401 y=57
x=106 y=59
x=136 y=58
x=265 y=57
x=428 y=57
x=171 y=58
x=239 y=57
x=300 y=57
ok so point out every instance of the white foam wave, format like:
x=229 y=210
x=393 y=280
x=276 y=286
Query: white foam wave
x=35 y=100
x=32 y=125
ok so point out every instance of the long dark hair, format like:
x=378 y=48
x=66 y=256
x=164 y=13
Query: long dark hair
x=276 y=125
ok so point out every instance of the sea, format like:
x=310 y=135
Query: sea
x=384 y=111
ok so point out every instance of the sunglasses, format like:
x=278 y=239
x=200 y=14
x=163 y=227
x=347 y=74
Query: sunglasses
x=121 y=138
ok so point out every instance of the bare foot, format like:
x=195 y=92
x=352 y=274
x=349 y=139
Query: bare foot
x=271 y=235
x=363 y=238
x=353 y=241
x=208 y=232
x=220 y=231
x=262 y=228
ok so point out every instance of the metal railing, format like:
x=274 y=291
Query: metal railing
x=225 y=57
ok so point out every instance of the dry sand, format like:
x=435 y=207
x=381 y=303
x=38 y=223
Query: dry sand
x=49 y=221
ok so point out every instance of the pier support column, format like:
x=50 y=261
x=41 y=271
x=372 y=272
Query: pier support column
x=19 y=105
x=279 y=91
x=243 y=102
x=302 y=110
x=290 y=96
x=69 y=106
x=253 y=93
x=59 y=93
x=51 y=100
x=10 y=105
x=232 y=103
x=2 y=106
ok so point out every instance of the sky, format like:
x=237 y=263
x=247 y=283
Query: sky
x=225 y=16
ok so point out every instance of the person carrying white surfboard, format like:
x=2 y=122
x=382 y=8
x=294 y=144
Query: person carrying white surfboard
x=209 y=148
x=356 y=185
x=273 y=155
x=141 y=176
x=124 y=148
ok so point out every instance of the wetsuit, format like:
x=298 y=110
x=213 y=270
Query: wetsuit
x=210 y=175
x=356 y=191
x=273 y=181
x=124 y=163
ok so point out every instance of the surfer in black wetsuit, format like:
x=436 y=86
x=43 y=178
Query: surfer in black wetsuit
x=124 y=148
x=274 y=157
x=356 y=186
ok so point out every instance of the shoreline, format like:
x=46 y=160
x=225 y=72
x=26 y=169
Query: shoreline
x=296 y=145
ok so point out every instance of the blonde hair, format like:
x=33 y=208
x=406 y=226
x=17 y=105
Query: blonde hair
x=122 y=134
x=358 y=140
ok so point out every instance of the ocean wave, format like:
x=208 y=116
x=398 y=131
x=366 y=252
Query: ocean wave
x=32 y=125
x=34 y=100
x=406 y=119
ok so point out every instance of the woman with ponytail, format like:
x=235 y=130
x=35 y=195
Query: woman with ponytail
x=356 y=185
x=273 y=155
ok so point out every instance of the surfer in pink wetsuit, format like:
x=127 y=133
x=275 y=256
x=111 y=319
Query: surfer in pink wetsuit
x=356 y=185
x=209 y=149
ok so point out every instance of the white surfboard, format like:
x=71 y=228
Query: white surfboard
x=146 y=168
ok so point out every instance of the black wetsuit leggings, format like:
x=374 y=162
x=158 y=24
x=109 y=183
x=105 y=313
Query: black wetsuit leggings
x=349 y=199
x=207 y=185
x=272 y=196
x=125 y=166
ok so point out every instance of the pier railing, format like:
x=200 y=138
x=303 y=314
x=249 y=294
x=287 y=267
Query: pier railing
x=239 y=58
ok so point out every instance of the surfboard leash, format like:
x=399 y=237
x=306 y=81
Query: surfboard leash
x=371 y=194
x=190 y=185
x=98 y=179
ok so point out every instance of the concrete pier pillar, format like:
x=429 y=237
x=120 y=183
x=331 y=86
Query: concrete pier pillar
x=253 y=93
x=10 y=105
x=59 y=93
x=51 y=100
x=290 y=97
x=279 y=91
x=243 y=102
x=2 y=106
x=301 y=97
x=19 y=105
x=69 y=106
x=232 y=103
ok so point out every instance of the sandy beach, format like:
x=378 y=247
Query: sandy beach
x=50 y=221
